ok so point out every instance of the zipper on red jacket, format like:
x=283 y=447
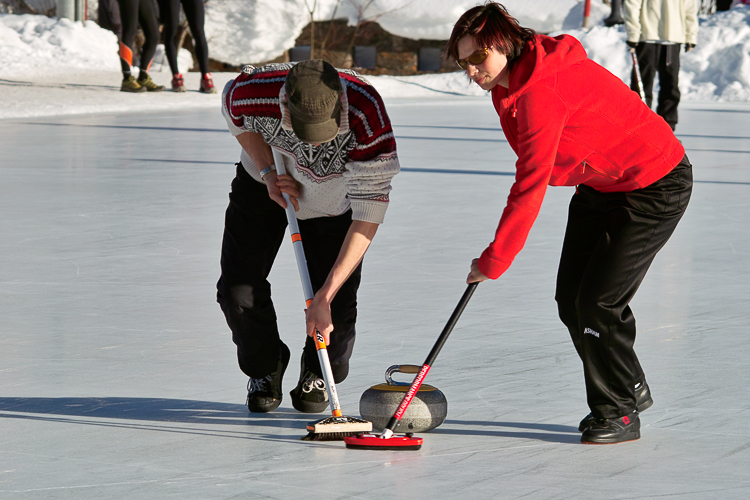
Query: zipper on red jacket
x=583 y=170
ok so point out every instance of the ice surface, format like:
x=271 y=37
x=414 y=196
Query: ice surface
x=118 y=376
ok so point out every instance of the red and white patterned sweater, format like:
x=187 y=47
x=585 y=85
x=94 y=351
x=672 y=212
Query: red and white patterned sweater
x=353 y=170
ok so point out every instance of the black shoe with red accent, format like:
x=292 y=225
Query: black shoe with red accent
x=643 y=401
x=613 y=430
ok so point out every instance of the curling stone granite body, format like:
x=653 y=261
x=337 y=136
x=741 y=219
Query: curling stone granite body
x=427 y=410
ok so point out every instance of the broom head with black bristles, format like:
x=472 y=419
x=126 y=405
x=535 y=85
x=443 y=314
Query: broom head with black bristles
x=336 y=428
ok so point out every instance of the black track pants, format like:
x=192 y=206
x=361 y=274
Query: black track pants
x=195 y=13
x=610 y=241
x=663 y=59
x=254 y=228
x=133 y=13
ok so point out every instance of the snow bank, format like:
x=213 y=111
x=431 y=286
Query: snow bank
x=56 y=56
x=719 y=66
x=434 y=19
x=242 y=31
x=31 y=45
x=718 y=69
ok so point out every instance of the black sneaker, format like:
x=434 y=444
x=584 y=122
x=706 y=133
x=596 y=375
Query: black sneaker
x=310 y=395
x=264 y=394
x=643 y=401
x=613 y=430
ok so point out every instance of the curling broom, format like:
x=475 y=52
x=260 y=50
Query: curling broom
x=337 y=426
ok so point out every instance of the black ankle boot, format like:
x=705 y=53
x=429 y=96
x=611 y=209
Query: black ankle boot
x=615 y=16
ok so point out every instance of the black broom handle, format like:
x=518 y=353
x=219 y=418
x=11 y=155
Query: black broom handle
x=409 y=395
x=451 y=323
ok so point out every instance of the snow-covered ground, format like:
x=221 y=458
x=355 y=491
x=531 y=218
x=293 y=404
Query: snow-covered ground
x=63 y=67
x=262 y=29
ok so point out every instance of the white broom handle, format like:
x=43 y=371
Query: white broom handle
x=291 y=218
x=304 y=274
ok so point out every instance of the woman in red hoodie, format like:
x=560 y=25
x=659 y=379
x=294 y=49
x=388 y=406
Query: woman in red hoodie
x=573 y=123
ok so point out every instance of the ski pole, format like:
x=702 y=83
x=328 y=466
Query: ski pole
x=637 y=71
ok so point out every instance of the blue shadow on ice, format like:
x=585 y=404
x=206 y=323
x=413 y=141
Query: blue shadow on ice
x=131 y=127
x=112 y=412
x=553 y=433
x=202 y=418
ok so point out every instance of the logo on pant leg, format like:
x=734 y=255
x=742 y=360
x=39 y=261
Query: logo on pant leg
x=589 y=331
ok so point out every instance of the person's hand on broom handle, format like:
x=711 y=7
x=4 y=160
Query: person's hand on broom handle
x=318 y=318
x=475 y=275
x=264 y=160
x=278 y=185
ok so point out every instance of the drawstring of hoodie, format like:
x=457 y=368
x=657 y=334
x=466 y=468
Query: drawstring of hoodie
x=513 y=112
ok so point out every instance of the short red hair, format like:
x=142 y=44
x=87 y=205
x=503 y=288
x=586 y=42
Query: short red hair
x=491 y=26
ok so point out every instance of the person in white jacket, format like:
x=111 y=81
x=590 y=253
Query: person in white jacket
x=657 y=29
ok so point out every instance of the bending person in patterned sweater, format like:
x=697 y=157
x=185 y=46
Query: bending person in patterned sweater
x=340 y=155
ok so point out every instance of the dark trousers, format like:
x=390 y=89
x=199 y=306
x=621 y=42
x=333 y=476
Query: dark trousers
x=133 y=13
x=722 y=5
x=610 y=241
x=195 y=12
x=663 y=59
x=254 y=228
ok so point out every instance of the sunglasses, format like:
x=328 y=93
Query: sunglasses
x=475 y=58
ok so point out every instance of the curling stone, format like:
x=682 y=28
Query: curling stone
x=427 y=410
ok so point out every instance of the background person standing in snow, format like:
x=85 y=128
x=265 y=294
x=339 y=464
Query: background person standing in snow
x=340 y=155
x=133 y=13
x=195 y=12
x=573 y=123
x=656 y=31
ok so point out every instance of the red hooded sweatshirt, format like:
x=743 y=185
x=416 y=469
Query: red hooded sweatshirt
x=570 y=121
